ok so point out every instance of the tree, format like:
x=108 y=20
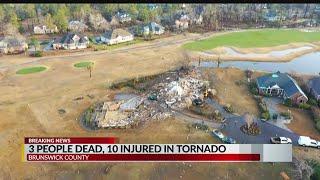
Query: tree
x=48 y=21
x=248 y=119
x=61 y=20
x=89 y=68
x=34 y=42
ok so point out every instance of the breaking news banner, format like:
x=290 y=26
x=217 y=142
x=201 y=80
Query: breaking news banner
x=98 y=149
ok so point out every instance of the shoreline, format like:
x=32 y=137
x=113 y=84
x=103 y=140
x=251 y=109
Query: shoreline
x=220 y=52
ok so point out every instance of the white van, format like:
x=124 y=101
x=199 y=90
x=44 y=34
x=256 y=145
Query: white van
x=307 y=141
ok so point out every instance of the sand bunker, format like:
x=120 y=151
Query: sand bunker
x=281 y=53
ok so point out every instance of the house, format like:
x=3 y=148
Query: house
x=115 y=36
x=71 y=41
x=123 y=17
x=314 y=87
x=181 y=21
x=11 y=45
x=152 y=28
x=281 y=85
x=77 y=26
x=43 y=29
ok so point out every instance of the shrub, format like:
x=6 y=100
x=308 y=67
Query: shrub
x=253 y=88
x=316 y=172
x=38 y=54
x=288 y=102
x=285 y=114
x=304 y=106
x=315 y=112
x=265 y=115
x=318 y=126
x=313 y=102
x=275 y=116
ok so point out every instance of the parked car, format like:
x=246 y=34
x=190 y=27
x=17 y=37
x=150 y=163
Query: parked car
x=229 y=140
x=307 y=141
x=217 y=133
x=197 y=102
x=280 y=140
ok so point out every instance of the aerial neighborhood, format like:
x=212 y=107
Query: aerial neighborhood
x=162 y=73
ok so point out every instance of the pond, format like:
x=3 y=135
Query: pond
x=305 y=64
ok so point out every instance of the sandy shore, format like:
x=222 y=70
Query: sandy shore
x=221 y=53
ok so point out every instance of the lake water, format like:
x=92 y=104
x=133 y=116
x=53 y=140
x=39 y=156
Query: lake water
x=305 y=64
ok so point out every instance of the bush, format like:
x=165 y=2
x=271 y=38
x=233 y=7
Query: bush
x=288 y=102
x=318 y=126
x=253 y=88
x=285 y=114
x=316 y=172
x=313 y=102
x=38 y=54
x=265 y=115
x=275 y=116
x=304 y=106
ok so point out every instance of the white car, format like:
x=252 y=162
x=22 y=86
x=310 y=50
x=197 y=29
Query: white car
x=218 y=133
x=307 y=141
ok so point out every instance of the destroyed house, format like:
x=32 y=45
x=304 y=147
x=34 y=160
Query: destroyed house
x=71 y=41
x=281 y=85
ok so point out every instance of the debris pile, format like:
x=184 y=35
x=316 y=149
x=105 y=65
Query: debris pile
x=176 y=91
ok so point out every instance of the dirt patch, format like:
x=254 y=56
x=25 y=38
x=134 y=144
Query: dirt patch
x=229 y=91
x=302 y=122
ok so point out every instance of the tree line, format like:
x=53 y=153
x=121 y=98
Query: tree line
x=215 y=16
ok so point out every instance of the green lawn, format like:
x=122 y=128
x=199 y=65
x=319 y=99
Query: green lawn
x=251 y=39
x=83 y=64
x=30 y=70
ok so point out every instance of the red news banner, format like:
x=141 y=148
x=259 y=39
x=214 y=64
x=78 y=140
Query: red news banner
x=95 y=149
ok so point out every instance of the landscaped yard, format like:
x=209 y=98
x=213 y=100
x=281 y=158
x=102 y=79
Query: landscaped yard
x=30 y=70
x=253 y=39
x=83 y=64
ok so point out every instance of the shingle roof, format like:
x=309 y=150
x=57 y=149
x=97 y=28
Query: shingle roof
x=315 y=84
x=112 y=34
x=283 y=80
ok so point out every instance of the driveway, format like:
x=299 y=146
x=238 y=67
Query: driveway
x=232 y=129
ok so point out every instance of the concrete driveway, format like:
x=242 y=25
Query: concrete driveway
x=232 y=129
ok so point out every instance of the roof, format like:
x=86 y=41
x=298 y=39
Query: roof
x=315 y=84
x=154 y=26
x=68 y=38
x=12 y=41
x=283 y=80
x=112 y=34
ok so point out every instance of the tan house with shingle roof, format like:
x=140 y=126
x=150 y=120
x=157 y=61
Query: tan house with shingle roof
x=115 y=36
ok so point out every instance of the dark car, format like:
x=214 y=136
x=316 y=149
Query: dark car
x=229 y=140
x=197 y=102
x=280 y=140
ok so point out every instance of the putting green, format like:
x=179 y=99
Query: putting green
x=30 y=70
x=83 y=64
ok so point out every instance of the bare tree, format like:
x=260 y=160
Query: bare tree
x=248 y=119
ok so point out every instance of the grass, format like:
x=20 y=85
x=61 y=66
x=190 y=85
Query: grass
x=252 y=39
x=83 y=64
x=30 y=70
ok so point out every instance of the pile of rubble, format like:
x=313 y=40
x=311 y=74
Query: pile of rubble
x=156 y=103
